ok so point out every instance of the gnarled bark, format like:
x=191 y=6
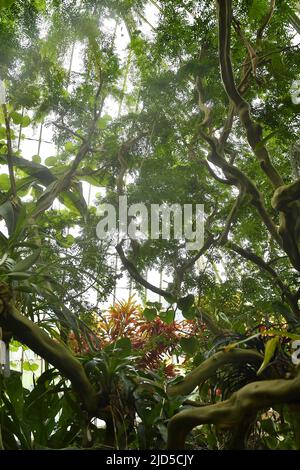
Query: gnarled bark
x=288 y=227
x=238 y=409
x=211 y=365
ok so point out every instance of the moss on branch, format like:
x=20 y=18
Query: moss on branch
x=211 y=365
x=241 y=407
x=285 y=195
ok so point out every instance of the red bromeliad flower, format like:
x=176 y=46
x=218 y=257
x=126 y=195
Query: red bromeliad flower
x=155 y=340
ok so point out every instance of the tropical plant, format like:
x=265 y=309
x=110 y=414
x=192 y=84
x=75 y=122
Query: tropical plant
x=201 y=106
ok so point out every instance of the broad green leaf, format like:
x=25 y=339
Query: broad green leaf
x=103 y=122
x=170 y=298
x=189 y=345
x=96 y=180
x=168 y=316
x=8 y=214
x=14 y=390
x=185 y=303
x=3 y=259
x=2 y=133
x=51 y=161
x=3 y=242
x=36 y=159
x=69 y=146
x=31 y=289
x=47 y=191
x=16 y=117
x=284 y=311
x=4 y=182
x=27 y=263
x=66 y=241
x=190 y=314
x=24 y=184
x=26 y=121
x=74 y=200
x=18 y=276
x=40 y=172
x=30 y=366
x=124 y=344
x=151 y=385
x=20 y=225
x=150 y=313
x=270 y=349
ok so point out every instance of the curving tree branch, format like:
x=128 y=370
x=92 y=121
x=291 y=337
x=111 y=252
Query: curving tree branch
x=57 y=354
x=253 y=130
x=132 y=270
x=266 y=20
x=209 y=367
x=241 y=407
x=288 y=228
x=232 y=217
x=285 y=195
x=241 y=180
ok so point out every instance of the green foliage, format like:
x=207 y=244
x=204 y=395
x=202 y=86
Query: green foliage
x=150 y=146
x=189 y=345
x=270 y=349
